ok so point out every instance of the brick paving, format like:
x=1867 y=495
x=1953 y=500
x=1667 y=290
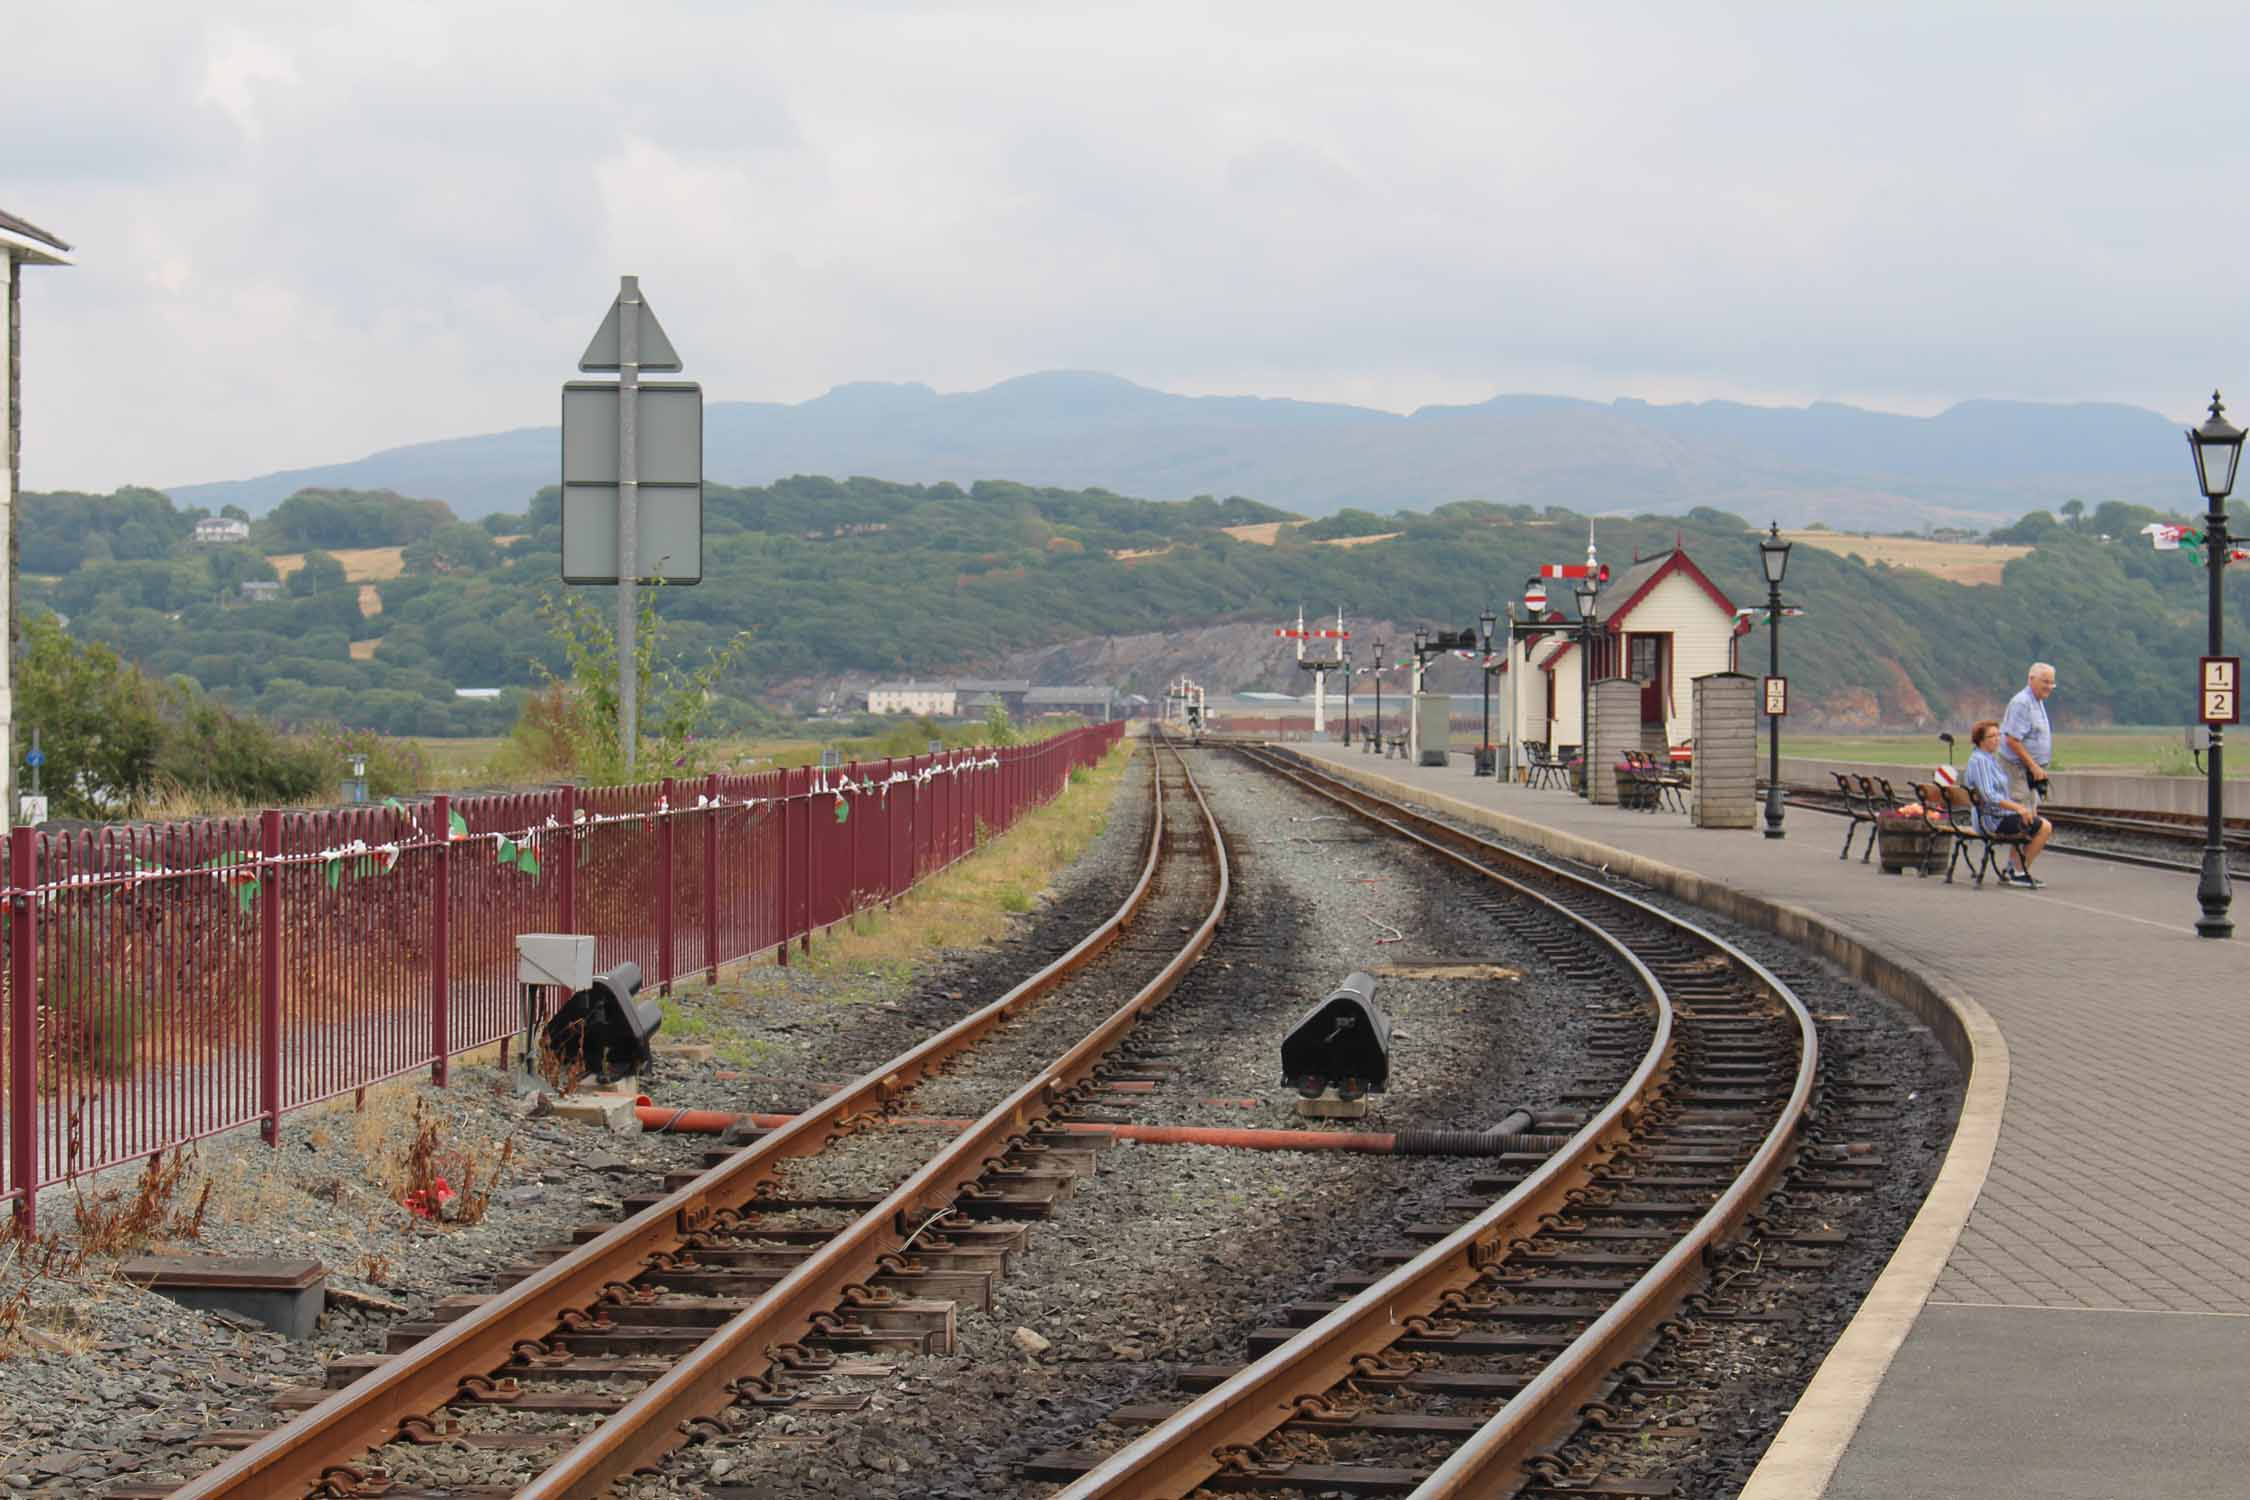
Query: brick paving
x=2122 y=1175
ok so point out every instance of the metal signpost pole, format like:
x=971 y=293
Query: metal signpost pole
x=628 y=514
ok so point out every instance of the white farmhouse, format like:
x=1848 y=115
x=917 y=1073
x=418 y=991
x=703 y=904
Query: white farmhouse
x=934 y=699
x=221 y=531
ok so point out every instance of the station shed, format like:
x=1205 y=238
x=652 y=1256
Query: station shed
x=1661 y=622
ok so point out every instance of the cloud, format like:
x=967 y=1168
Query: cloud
x=309 y=232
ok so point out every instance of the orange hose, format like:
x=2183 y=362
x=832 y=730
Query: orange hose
x=717 y=1121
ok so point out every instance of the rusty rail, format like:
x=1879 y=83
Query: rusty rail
x=706 y=1381
x=1185 y=1450
x=366 y=1414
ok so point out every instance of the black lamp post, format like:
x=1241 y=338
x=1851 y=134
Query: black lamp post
x=1773 y=552
x=1378 y=696
x=1585 y=592
x=1488 y=763
x=2217 y=445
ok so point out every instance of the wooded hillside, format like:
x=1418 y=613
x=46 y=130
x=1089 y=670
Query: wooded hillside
x=862 y=577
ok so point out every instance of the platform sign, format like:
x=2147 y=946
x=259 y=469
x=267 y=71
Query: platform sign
x=2222 y=689
x=1777 y=697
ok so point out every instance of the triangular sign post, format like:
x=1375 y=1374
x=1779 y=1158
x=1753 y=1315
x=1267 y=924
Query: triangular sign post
x=657 y=353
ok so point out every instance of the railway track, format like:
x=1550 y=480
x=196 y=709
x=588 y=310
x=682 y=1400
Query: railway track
x=737 y=1290
x=1456 y=1367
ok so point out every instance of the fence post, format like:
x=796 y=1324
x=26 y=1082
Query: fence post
x=441 y=940
x=890 y=837
x=781 y=871
x=667 y=888
x=23 y=1012
x=268 y=897
x=711 y=879
x=566 y=896
x=805 y=869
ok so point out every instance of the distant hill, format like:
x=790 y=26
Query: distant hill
x=1977 y=464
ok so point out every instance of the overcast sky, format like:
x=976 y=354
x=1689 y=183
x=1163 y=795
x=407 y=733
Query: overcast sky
x=305 y=232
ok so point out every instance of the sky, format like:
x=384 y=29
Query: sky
x=306 y=232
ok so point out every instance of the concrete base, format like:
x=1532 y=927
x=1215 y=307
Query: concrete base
x=611 y=1110
x=287 y=1296
x=1329 y=1107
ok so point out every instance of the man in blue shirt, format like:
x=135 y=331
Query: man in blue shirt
x=1999 y=812
x=2027 y=745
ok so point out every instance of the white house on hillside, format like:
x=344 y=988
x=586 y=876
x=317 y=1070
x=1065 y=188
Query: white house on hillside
x=221 y=531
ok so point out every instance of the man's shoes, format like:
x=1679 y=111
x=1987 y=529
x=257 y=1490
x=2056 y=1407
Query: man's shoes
x=2018 y=877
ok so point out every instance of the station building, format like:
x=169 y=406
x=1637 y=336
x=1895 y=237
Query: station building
x=22 y=245
x=1662 y=622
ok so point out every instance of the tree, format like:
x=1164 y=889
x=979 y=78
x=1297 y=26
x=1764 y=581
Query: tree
x=96 y=718
x=2072 y=509
x=319 y=574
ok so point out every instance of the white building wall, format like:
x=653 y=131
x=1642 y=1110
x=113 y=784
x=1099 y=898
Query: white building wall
x=1700 y=631
x=933 y=700
x=9 y=270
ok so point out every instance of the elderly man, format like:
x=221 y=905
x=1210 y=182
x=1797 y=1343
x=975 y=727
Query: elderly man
x=2027 y=745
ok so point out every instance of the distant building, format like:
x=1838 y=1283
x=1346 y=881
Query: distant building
x=932 y=698
x=1087 y=700
x=255 y=592
x=481 y=694
x=221 y=531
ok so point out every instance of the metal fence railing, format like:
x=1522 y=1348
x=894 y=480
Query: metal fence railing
x=163 y=983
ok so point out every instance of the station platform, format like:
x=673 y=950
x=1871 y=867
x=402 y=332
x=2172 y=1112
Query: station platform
x=2069 y=1316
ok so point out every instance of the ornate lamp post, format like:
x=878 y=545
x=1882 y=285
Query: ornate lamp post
x=2217 y=446
x=1773 y=553
x=1585 y=592
x=1487 y=763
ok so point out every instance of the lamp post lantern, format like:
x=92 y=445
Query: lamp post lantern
x=1586 y=593
x=1487 y=763
x=1773 y=554
x=2217 y=446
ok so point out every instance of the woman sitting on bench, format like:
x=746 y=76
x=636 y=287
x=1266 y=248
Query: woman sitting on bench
x=1998 y=816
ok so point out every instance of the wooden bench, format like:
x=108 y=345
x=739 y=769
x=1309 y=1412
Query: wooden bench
x=1544 y=768
x=1860 y=806
x=1655 y=782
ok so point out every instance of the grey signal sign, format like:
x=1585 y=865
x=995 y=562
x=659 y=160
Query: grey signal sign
x=607 y=352
x=670 y=465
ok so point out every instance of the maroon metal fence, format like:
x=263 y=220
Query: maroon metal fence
x=164 y=983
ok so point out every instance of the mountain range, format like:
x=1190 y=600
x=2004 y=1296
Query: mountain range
x=1975 y=464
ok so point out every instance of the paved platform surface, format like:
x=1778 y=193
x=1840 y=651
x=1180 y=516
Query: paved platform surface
x=2090 y=1334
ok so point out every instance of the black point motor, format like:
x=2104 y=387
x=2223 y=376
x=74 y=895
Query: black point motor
x=603 y=1029
x=1343 y=1041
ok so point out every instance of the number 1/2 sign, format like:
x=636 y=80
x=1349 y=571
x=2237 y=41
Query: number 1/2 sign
x=2222 y=689
x=1777 y=697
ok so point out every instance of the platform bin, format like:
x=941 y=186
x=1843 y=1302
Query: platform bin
x=1906 y=842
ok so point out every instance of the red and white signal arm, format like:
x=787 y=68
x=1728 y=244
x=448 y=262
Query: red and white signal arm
x=1777 y=697
x=2222 y=689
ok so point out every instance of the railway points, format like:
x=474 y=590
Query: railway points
x=2084 y=1249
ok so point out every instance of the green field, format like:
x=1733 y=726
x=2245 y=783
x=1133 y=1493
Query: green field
x=2148 y=751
